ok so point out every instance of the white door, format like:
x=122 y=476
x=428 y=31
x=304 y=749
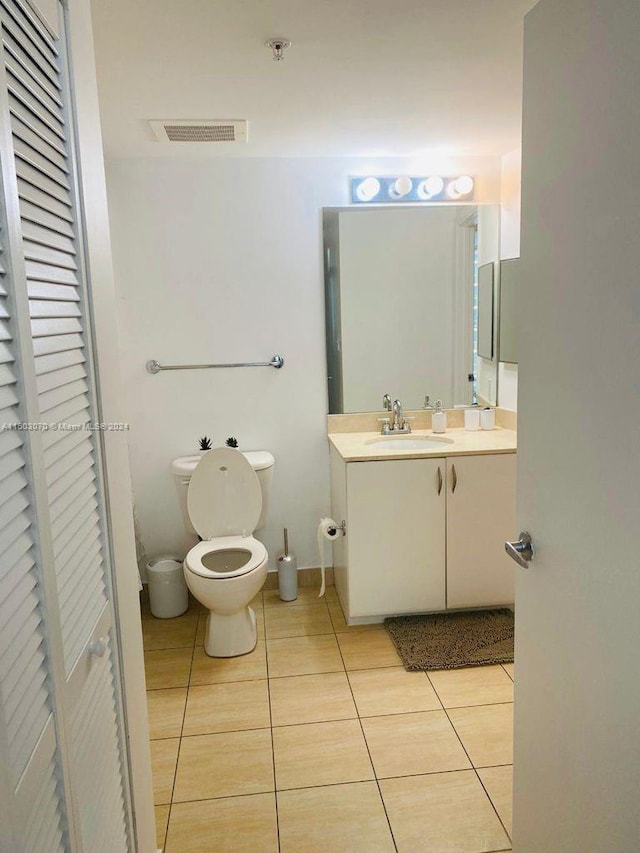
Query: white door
x=577 y=699
x=481 y=505
x=60 y=703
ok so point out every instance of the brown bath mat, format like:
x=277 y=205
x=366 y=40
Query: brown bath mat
x=453 y=640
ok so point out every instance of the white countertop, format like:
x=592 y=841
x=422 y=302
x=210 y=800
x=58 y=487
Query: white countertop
x=355 y=446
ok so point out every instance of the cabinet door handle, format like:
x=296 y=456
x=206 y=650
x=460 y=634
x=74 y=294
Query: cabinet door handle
x=454 y=480
x=439 y=480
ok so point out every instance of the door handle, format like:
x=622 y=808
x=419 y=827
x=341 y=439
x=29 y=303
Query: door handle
x=521 y=551
x=439 y=480
x=454 y=481
x=97 y=648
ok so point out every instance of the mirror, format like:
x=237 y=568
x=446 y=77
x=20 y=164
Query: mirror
x=402 y=298
x=508 y=296
x=485 y=310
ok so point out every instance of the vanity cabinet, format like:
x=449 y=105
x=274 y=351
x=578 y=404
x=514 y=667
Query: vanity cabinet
x=423 y=535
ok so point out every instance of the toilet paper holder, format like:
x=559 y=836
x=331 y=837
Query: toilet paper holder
x=342 y=527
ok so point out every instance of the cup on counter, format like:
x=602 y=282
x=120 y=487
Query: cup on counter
x=488 y=418
x=472 y=419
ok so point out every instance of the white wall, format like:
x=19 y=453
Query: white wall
x=222 y=261
x=510 y=248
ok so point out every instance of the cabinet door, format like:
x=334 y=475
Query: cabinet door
x=481 y=497
x=396 y=536
x=339 y=512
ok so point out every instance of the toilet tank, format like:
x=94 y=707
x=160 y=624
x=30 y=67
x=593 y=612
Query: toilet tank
x=261 y=461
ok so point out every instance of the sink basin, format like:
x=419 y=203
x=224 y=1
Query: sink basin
x=409 y=442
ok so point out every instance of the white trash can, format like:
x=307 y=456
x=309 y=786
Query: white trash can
x=168 y=594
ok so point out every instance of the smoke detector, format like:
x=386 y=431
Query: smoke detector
x=278 y=45
x=200 y=130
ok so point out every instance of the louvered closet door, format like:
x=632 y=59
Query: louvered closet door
x=49 y=265
x=35 y=814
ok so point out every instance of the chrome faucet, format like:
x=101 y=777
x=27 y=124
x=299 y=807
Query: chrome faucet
x=397 y=423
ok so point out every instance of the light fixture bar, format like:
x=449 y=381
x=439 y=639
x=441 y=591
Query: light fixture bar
x=400 y=189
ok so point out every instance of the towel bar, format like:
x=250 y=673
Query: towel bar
x=155 y=367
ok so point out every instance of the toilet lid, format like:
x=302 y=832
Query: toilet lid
x=224 y=497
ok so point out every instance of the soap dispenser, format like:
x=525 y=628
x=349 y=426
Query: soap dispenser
x=439 y=418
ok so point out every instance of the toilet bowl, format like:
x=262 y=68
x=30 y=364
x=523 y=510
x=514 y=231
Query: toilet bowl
x=229 y=566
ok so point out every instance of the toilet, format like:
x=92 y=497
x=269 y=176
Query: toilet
x=227 y=494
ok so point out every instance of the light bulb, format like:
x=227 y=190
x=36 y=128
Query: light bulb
x=464 y=184
x=368 y=189
x=430 y=187
x=400 y=187
x=461 y=186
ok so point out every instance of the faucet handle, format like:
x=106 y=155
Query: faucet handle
x=385 y=425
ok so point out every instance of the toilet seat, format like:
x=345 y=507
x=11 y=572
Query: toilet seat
x=226 y=549
x=224 y=497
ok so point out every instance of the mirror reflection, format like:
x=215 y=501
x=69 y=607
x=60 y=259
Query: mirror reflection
x=508 y=300
x=402 y=303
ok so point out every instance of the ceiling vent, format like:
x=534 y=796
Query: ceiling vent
x=179 y=130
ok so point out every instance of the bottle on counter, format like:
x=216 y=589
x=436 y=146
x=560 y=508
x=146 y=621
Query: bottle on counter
x=472 y=419
x=488 y=418
x=439 y=418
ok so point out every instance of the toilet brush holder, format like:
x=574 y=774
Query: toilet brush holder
x=287 y=573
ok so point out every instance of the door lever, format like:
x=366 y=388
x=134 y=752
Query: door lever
x=521 y=551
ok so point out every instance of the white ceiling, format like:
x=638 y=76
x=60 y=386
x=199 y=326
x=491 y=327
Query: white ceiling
x=362 y=78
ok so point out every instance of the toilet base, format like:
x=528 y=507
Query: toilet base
x=231 y=634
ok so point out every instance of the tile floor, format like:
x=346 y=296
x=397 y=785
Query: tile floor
x=320 y=742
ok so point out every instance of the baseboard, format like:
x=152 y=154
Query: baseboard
x=306 y=578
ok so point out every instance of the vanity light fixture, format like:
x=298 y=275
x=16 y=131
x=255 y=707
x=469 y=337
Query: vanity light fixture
x=416 y=190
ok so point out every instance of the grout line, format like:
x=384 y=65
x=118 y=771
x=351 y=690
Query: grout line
x=508 y=673
x=222 y=683
x=302 y=674
x=184 y=714
x=311 y=787
x=479 y=705
x=473 y=767
x=357 y=716
x=296 y=636
x=375 y=775
x=223 y=797
x=291 y=605
x=273 y=751
x=491 y=799
x=152 y=740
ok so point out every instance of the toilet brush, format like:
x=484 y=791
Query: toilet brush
x=287 y=572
